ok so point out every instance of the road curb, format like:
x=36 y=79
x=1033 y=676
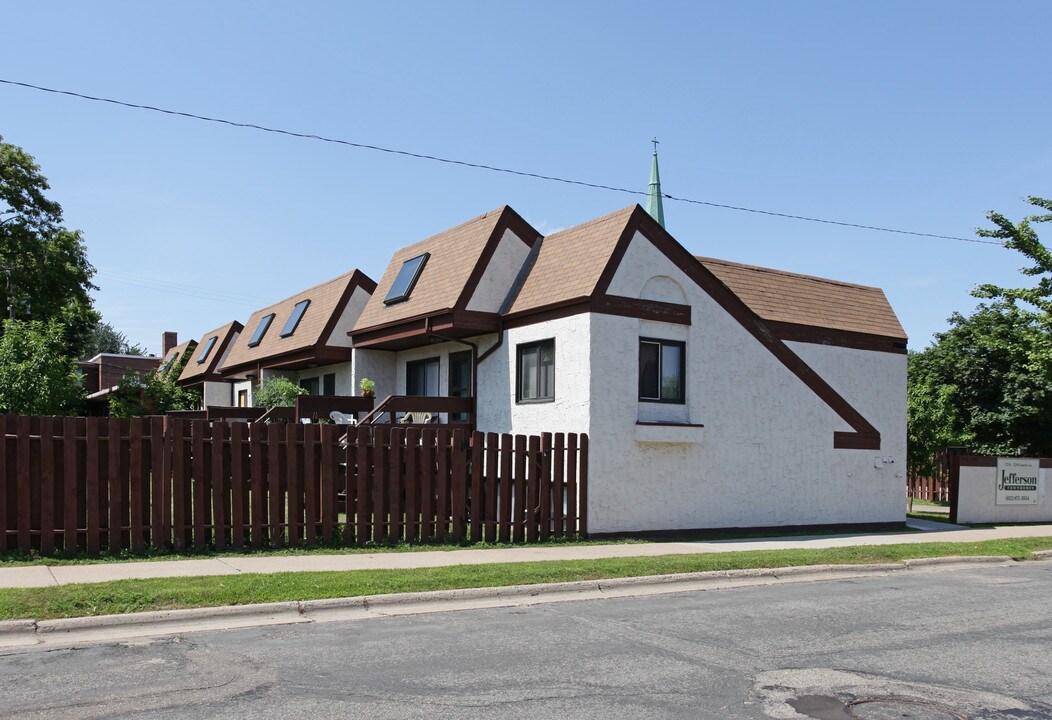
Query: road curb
x=113 y=628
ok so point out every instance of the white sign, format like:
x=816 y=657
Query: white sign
x=1017 y=481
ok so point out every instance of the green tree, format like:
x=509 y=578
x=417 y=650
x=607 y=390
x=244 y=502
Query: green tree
x=987 y=381
x=155 y=392
x=104 y=338
x=36 y=378
x=44 y=268
x=276 y=392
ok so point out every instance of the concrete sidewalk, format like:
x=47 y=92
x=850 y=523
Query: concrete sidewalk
x=45 y=576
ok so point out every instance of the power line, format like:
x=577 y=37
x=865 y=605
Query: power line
x=182 y=287
x=481 y=166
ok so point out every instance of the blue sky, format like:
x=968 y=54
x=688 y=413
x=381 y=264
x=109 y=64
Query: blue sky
x=920 y=116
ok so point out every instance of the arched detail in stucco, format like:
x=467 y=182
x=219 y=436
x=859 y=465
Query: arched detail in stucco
x=663 y=288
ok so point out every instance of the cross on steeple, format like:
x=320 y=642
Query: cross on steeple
x=654 y=204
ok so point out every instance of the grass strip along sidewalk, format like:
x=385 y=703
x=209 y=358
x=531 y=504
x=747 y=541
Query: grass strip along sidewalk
x=127 y=596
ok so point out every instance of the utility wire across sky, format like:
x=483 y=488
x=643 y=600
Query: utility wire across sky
x=481 y=166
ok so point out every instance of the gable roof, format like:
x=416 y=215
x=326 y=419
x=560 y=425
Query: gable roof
x=458 y=257
x=175 y=355
x=570 y=262
x=195 y=371
x=327 y=302
x=785 y=297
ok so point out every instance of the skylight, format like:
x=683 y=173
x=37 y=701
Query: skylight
x=168 y=363
x=294 y=318
x=203 y=355
x=261 y=330
x=407 y=277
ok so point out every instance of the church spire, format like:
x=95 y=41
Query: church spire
x=654 y=206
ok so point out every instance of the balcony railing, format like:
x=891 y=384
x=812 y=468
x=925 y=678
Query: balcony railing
x=422 y=411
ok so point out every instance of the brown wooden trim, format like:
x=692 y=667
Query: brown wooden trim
x=461 y=322
x=642 y=309
x=544 y=313
x=794 y=332
x=618 y=254
x=358 y=280
x=867 y=436
x=324 y=356
x=657 y=423
x=509 y=220
x=211 y=372
x=991 y=461
x=774 y=530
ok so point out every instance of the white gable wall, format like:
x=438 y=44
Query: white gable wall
x=499 y=274
x=569 y=412
x=339 y=337
x=765 y=456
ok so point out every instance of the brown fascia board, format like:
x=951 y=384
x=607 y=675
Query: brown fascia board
x=422 y=326
x=320 y=350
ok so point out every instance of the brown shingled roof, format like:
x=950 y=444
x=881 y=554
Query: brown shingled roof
x=780 y=296
x=443 y=284
x=570 y=262
x=195 y=371
x=326 y=299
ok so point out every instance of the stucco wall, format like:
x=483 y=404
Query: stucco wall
x=499 y=274
x=344 y=377
x=378 y=366
x=765 y=456
x=569 y=412
x=217 y=393
x=238 y=386
x=977 y=490
x=339 y=337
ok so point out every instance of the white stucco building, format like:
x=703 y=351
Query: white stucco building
x=715 y=395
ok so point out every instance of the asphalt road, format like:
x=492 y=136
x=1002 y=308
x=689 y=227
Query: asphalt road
x=968 y=642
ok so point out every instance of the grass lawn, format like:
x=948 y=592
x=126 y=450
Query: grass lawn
x=162 y=594
x=932 y=503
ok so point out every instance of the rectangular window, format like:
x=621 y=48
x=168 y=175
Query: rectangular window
x=421 y=377
x=459 y=380
x=328 y=384
x=207 y=350
x=310 y=385
x=662 y=370
x=406 y=279
x=242 y=398
x=261 y=330
x=294 y=318
x=536 y=372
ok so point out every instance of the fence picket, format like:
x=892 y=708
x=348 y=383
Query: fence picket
x=490 y=487
x=25 y=462
x=275 y=473
x=107 y=481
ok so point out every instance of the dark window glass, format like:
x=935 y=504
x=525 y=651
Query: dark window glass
x=328 y=383
x=460 y=380
x=421 y=377
x=662 y=370
x=168 y=363
x=536 y=382
x=310 y=385
x=242 y=398
x=261 y=330
x=208 y=349
x=406 y=279
x=294 y=318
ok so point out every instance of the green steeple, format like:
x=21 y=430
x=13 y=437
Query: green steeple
x=654 y=206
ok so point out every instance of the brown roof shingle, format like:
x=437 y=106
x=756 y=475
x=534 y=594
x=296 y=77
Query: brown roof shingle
x=570 y=262
x=324 y=301
x=195 y=370
x=781 y=296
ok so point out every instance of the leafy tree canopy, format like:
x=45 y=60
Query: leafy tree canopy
x=155 y=392
x=276 y=392
x=44 y=268
x=986 y=383
x=104 y=338
x=36 y=378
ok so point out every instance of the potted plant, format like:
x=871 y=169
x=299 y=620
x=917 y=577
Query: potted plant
x=367 y=386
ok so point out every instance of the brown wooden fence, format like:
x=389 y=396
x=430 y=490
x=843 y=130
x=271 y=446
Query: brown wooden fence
x=91 y=484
